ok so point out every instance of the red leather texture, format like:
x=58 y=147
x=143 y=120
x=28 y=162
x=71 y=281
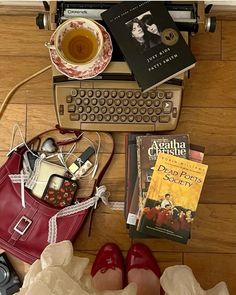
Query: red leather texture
x=109 y=256
x=29 y=246
x=32 y=220
x=140 y=256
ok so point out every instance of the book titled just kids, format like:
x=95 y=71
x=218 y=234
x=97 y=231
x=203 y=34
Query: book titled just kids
x=150 y=41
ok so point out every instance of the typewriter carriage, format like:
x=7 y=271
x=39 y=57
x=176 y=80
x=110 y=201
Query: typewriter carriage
x=53 y=15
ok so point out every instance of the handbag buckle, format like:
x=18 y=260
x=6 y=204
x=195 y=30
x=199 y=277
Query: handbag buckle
x=22 y=225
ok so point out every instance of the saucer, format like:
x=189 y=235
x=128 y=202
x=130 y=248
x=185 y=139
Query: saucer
x=90 y=70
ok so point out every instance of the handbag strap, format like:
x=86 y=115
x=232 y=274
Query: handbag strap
x=77 y=137
x=98 y=193
x=72 y=140
x=21 y=149
x=100 y=176
x=52 y=224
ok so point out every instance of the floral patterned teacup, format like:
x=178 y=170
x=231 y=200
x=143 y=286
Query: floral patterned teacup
x=77 y=41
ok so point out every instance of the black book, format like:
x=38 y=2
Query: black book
x=150 y=41
x=130 y=169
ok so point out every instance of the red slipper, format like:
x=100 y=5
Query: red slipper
x=109 y=256
x=140 y=256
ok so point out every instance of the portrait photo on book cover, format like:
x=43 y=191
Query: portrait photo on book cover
x=144 y=31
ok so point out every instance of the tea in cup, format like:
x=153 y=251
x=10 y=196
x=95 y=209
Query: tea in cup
x=77 y=41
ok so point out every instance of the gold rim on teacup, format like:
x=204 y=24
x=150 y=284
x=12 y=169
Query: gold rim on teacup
x=75 y=27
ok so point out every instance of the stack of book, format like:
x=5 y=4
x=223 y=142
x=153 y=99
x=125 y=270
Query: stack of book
x=164 y=173
x=164 y=179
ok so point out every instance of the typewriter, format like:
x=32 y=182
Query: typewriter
x=113 y=101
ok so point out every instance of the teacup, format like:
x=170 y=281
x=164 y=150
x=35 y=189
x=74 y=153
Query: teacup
x=77 y=41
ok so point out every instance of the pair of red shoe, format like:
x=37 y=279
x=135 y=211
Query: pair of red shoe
x=139 y=256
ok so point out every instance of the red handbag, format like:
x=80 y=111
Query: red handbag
x=25 y=232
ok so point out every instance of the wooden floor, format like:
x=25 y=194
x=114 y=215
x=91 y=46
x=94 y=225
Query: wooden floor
x=208 y=115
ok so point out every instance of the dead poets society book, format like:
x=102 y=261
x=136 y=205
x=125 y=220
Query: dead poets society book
x=196 y=153
x=172 y=197
x=150 y=41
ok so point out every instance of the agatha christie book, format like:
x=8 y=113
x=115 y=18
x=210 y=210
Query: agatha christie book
x=150 y=41
x=148 y=148
x=175 y=187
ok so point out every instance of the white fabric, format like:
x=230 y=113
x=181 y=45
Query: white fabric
x=166 y=202
x=58 y=272
x=179 y=280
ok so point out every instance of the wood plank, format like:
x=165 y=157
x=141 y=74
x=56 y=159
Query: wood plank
x=106 y=227
x=19 y=8
x=119 y=138
x=211 y=84
x=164 y=259
x=17 y=34
x=33 y=91
x=215 y=191
x=221 y=167
x=40 y=118
x=207 y=46
x=14 y=114
x=224 y=13
x=214 y=128
x=216 y=81
x=167 y=259
x=229 y=40
x=219 y=191
x=210 y=269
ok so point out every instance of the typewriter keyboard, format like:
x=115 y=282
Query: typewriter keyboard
x=117 y=109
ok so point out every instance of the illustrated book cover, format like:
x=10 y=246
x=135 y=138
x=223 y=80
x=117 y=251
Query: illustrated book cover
x=196 y=153
x=172 y=197
x=150 y=41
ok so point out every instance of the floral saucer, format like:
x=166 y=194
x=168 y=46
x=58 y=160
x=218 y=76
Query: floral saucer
x=89 y=70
